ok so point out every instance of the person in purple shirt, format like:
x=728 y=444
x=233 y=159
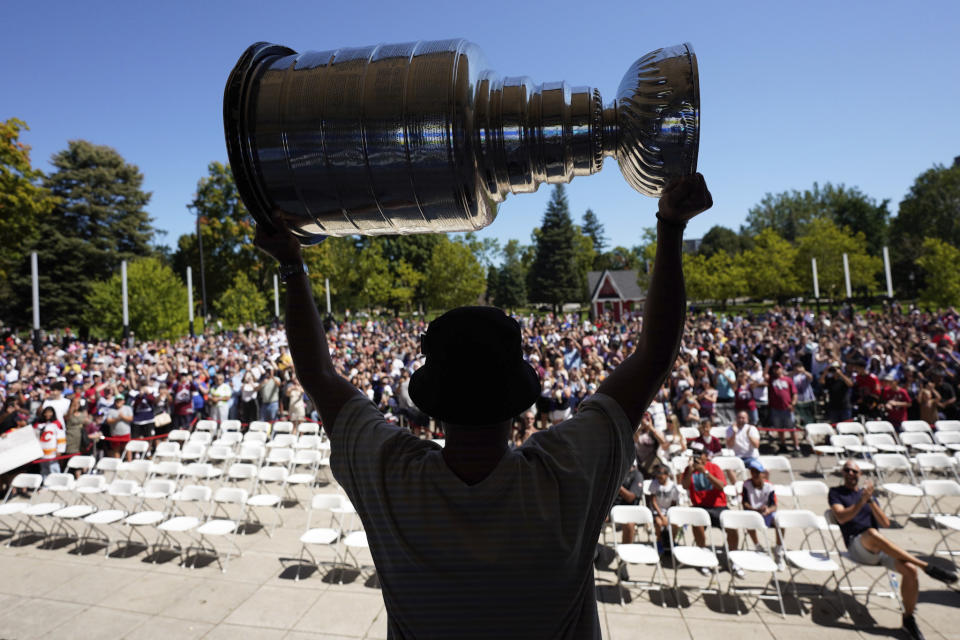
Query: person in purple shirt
x=860 y=517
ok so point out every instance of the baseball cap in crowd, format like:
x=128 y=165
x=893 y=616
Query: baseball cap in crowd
x=755 y=465
x=474 y=372
x=697 y=448
x=889 y=377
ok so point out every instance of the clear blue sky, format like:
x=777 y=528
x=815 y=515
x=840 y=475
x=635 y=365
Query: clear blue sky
x=860 y=93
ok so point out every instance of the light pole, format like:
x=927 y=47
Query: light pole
x=203 y=279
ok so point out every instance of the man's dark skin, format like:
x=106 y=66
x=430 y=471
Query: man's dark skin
x=471 y=452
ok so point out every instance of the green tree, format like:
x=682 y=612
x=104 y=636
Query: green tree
x=241 y=303
x=931 y=209
x=336 y=260
x=24 y=203
x=826 y=242
x=770 y=268
x=554 y=276
x=414 y=250
x=99 y=220
x=157 y=301
x=719 y=238
x=789 y=213
x=454 y=275
x=510 y=291
x=719 y=277
x=584 y=257
x=227 y=231
x=592 y=227
x=619 y=259
x=938 y=261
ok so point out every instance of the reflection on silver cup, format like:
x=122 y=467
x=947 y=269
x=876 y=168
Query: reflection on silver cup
x=421 y=138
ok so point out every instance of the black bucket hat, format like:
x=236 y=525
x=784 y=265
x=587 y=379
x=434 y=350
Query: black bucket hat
x=474 y=373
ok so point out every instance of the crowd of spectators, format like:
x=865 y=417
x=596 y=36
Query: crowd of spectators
x=783 y=368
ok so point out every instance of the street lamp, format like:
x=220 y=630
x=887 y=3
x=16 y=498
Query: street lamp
x=203 y=279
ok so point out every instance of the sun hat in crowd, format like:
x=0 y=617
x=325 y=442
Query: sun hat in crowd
x=474 y=372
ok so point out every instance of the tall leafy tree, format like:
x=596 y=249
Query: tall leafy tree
x=789 y=213
x=98 y=221
x=938 y=261
x=592 y=227
x=243 y=302
x=415 y=251
x=157 y=302
x=227 y=230
x=454 y=275
x=619 y=259
x=827 y=242
x=554 y=276
x=770 y=268
x=719 y=277
x=719 y=238
x=24 y=203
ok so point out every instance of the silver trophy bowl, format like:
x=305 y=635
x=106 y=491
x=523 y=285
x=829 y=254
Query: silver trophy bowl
x=421 y=137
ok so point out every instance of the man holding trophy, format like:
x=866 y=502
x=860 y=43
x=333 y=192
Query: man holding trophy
x=475 y=539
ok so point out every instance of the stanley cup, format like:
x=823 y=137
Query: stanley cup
x=422 y=138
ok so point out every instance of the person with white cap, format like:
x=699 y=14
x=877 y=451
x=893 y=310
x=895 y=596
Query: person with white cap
x=474 y=539
x=895 y=400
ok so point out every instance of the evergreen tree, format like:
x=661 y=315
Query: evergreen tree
x=99 y=221
x=591 y=226
x=554 y=276
x=510 y=291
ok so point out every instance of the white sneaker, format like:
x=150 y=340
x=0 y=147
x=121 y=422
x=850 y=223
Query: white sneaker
x=778 y=556
x=706 y=571
x=760 y=548
x=737 y=571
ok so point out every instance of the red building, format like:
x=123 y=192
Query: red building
x=616 y=293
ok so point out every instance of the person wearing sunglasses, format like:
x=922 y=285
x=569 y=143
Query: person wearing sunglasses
x=860 y=518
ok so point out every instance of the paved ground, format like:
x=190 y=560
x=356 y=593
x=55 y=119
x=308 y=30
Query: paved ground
x=57 y=592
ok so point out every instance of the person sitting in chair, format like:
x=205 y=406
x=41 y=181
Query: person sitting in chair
x=860 y=517
x=477 y=540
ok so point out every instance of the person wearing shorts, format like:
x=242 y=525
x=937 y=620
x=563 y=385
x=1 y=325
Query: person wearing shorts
x=860 y=518
x=759 y=496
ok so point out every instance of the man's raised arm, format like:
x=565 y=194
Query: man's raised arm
x=635 y=382
x=305 y=333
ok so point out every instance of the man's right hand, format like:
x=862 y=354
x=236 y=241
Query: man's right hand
x=684 y=198
x=278 y=242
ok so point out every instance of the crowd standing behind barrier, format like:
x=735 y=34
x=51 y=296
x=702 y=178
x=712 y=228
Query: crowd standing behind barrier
x=892 y=365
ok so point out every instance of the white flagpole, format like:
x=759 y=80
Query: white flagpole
x=816 y=281
x=846 y=275
x=886 y=268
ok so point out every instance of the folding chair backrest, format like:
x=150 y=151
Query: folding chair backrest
x=202 y=437
x=304 y=457
x=105 y=465
x=230 y=495
x=259 y=425
x=123 y=488
x=807 y=488
x=326 y=501
x=694 y=516
x=308 y=442
x=776 y=463
x=195 y=493
x=729 y=463
x=138 y=447
x=637 y=514
x=97 y=483
x=940 y=488
x=689 y=433
x=796 y=519
x=229 y=425
x=284 y=440
x=167 y=468
x=58 y=481
x=816 y=430
x=845 y=440
x=878 y=439
x=194 y=447
x=911 y=426
x=30 y=481
x=85 y=463
x=880 y=426
x=178 y=435
x=256 y=437
x=916 y=437
x=308 y=428
x=199 y=470
x=892 y=462
x=251 y=451
x=934 y=462
x=206 y=425
x=947 y=437
x=282 y=426
x=272 y=474
x=136 y=467
x=735 y=519
x=242 y=471
x=947 y=425
x=166 y=449
x=844 y=428
x=281 y=455
x=158 y=487
x=718 y=432
x=229 y=438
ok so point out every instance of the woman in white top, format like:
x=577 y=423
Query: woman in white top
x=744 y=439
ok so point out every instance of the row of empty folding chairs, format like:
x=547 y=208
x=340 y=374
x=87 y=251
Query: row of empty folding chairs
x=257 y=426
x=343 y=532
x=860 y=441
x=86 y=509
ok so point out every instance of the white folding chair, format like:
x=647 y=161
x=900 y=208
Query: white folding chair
x=849 y=565
x=637 y=553
x=136 y=470
x=884 y=442
x=896 y=466
x=209 y=426
x=255 y=437
x=689 y=433
x=818 y=492
x=259 y=425
x=181 y=522
x=281 y=426
x=178 y=435
x=947 y=520
x=282 y=440
x=252 y=452
x=108 y=467
x=320 y=536
x=122 y=495
x=717 y=432
x=167 y=451
x=308 y=428
x=779 y=464
x=194 y=450
x=815 y=431
x=202 y=471
x=281 y=457
x=690 y=555
x=220 y=454
x=10 y=507
x=200 y=437
x=947 y=425
x=803 y=556
x=915 y=426
x=848 y=428
x=169 y=469
x=750 y=561
x=240 y=473
x=854 y=448
x=228 y=439
x=948 y=439
x=136 y=448
x=307 y=441
x=881 y=426
x=83 y=464
x=153 y=491
x=921 y=441
x=267 y=476
x=229 y=426
x=90 y=485
x=224 y=527
x=308 y=460
x=935 y=465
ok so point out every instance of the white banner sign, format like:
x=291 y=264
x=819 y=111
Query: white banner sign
x=17 y=448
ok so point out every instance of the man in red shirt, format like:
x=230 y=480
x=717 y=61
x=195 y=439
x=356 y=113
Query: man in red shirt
x=866 y=390
x=783 y=398
x=895 y=400
x=704 y=481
